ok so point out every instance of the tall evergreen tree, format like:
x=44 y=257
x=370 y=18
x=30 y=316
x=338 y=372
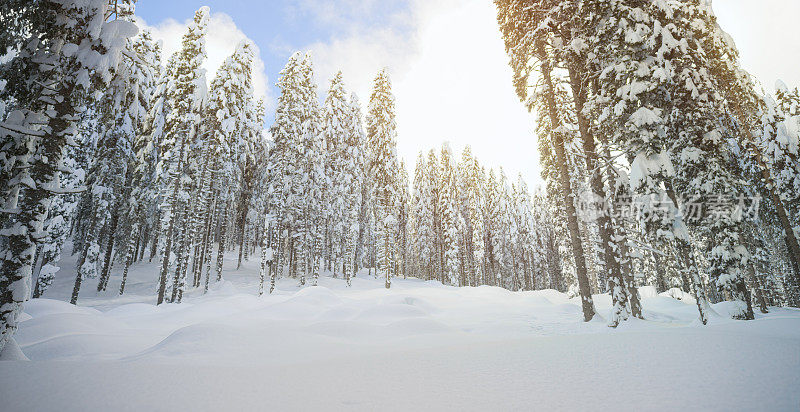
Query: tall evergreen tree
x=448 y=206
x=383 y=168
x=70 y=50
x=186 y=98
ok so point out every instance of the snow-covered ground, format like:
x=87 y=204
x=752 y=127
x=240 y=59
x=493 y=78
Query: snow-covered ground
x=417 y=346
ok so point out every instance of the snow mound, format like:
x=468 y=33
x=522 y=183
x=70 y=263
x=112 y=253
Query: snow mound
x=417 y=302
x=12 y=352
x=648 y=292
x=678 y=294
x=391 y=311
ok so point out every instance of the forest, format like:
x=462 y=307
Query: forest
x=665 y=165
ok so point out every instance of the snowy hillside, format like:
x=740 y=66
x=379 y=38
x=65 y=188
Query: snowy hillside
x=416 y=346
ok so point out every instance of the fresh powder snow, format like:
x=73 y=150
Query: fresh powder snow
x=417 y=346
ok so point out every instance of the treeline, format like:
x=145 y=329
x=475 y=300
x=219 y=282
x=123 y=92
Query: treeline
x=644 y=103
x=664 y=165
x=153 y=164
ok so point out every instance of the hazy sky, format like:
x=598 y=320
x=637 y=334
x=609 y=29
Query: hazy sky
x=447 y=61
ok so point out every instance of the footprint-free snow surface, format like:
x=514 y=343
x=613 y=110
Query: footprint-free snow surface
x=416 y=346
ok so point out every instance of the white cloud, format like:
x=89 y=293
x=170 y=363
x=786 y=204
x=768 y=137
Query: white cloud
x=451 y=82
x=360 y=58
x=221 y=40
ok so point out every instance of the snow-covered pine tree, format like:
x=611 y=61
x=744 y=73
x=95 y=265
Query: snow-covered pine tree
x=248 y=141
x=470 y=187
x=352 y=174
x=70 y=51
x=311 y=210
x=403 y=210
x=284 y=172
x=702 y=154
x=186 y=97
x=57 y=226
x=547 y=242
x=255 y=176
x=576 y=38
x=226 y=177
x=336 y=130
x=448 y=207
x=362 y=178
x=423 y=225
x=634 y=92
x=122 y=111
x=767 y=135
x=524 y=241
x=784 y=147
x=506 y=229
x=142 y=167
x=548 y=96
x=526 y=31
x=383 y=166
x=436 y=269
x=492 y=232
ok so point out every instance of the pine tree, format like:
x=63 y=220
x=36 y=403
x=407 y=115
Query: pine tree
x=640 y=96
x=57 y=227
x=523 y=241
x=383 y=167
x=470 y=199
x=423 y=225
x=432 y=184
x=186 y=96
x=122 y=112
x=283 y=167
x=360 y=147
x=142 y=167
x=403 y=208
x=47 y=80
x=352 y=172
x=448 y=207
x=492 y=230
x=313 y=185
x=336 y=129
x=525 y=37
x=225 y=179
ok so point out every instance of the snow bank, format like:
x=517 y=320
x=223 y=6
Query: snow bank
x=12 y=352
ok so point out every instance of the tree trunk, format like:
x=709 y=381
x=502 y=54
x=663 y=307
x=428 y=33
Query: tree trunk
x=616 y=282
x=112 y=229
x=266 y=255
x=76 y=289
x=572 y=218
x=759 y=288
x=156 y=233
x=688 y=262
x=179 y=279
x=242 y=237
x=222 y=237
x=162 y=280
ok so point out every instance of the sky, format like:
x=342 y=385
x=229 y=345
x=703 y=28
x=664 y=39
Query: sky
x=449 y=69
